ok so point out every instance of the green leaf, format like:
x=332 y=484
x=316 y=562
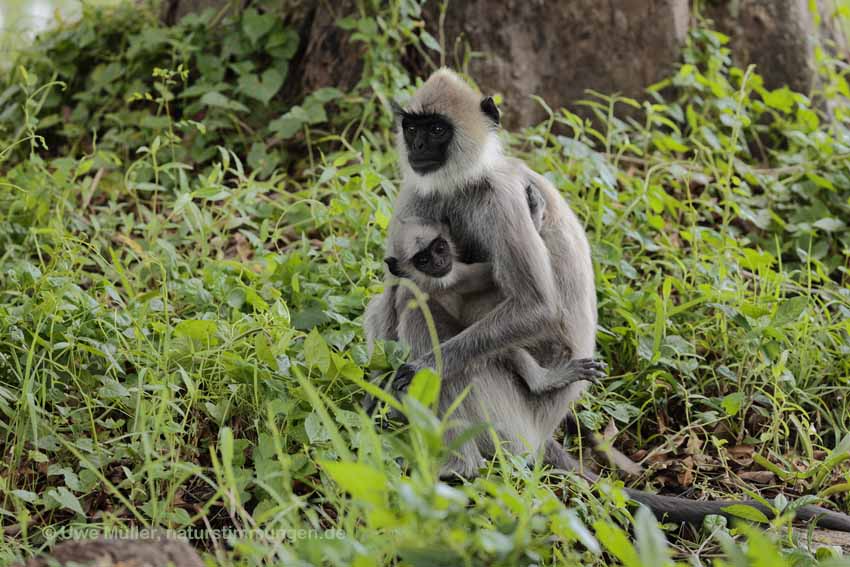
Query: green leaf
x=218 y=100
x=732 y=403
x=820 y=181
x=316 y=352
x=746 y=512
x=315 y=429
x=581 y=532
x=225 y=446
x=264 y=351
x=617 y=543
x=651 y=543
x=198 y=329
x=780 y=99
x=808 y=118
x=66 y=499
x=282 y=44
x=429 y=557
x=425 y=387
x=429 y=41
x=495 y=542
x=290 y=123
x=710 y=137
x=358 y=479
x=830 y=225
x=790 y=310
x=326 y=94
x=256 y=25
x=315 y=112
x=26 y=495
x=262 y=89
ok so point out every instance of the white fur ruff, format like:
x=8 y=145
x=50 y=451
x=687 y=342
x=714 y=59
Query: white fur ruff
x=456 y=173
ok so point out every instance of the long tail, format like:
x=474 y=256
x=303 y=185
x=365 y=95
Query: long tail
x=681 y=510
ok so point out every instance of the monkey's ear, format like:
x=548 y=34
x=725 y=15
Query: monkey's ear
x=392 y=264
x=489 y=108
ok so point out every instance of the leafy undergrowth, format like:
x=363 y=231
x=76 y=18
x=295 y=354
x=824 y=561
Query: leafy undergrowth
x=185 y=255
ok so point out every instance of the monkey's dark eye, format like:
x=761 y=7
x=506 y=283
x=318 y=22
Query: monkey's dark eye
x=438 y=129
x=420 y=260
x=410 y=129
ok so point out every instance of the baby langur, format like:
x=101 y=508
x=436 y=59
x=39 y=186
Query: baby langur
x=429 y=259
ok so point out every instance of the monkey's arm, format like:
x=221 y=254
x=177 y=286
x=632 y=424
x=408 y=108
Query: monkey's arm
x=541 y=380
x=472 y=278
x=522 y=268
x=381 y=319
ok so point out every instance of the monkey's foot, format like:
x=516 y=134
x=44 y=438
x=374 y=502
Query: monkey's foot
x=457 y=466
x=572 y=371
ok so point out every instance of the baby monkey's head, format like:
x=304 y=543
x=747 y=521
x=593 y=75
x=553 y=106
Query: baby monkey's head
x=426 y=252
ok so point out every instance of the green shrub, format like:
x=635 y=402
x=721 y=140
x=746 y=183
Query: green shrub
x=186 y=251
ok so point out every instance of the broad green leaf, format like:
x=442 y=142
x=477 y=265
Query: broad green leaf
x=732 y=403
x=316 y=352
x=66 y=499
x=26 y=495
x=830 y=225
x=225 y=442
x=651 y=543
x=198 y=329
x=256 y=25
x=290 y=123
x=362 y=481
x=780 y=99
x=326 y=94
x=264 y=351
x=790 y=310
x=316 y=431
x=218 y=100
x=261 y=88
x=808 y=117
x=429 y=41
x=382 y=220
x=425 y=387
x=282 y=44
x=315 y=112
x=746 y=512
x=618 y=543
x=820 y=181
x=570 y=527
x=495 y=542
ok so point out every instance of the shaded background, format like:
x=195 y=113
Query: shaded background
x=621 y=46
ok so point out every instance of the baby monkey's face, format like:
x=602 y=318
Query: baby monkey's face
x=425 y=253
x=434 y=260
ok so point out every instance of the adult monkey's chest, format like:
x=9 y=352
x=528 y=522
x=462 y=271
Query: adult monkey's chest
x=462 y=212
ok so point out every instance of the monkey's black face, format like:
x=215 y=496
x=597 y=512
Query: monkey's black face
x=435 y=260
x=427 y=137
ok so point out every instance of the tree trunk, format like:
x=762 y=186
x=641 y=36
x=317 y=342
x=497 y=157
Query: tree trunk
x=775 y=35
x=558 y=50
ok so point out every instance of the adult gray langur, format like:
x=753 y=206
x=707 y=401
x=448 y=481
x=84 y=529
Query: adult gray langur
x=467 y=292
x=454 y=172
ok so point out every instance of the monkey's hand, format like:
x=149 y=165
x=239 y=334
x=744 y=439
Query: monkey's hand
x=573 y=371
x=404 y=376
